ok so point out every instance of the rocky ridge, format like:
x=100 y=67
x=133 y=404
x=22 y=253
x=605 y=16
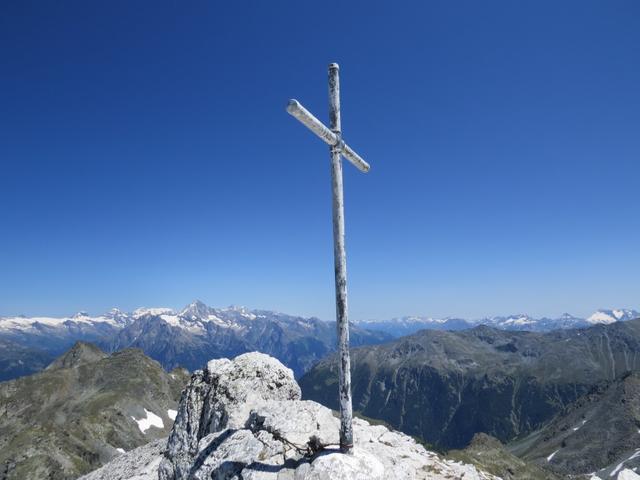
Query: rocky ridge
x=85 y=409
x=244 y=418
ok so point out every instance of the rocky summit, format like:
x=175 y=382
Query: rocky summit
x=244 y=419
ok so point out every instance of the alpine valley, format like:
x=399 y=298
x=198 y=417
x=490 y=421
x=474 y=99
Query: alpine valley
x=565 y=400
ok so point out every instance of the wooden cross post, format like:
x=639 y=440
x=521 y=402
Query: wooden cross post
x=337 y=147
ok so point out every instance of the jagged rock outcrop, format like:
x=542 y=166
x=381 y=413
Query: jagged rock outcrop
x=219 y=398
x=243 y=418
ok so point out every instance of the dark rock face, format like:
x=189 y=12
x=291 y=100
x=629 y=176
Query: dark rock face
x=597 y=432
x=73 y=417
x=446 y=386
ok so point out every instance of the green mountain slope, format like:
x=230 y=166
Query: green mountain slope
x=75 y=415
x=447 y=386
x=597 y=432
x=491 y=456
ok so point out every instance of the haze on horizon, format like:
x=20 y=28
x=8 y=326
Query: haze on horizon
x=146 y=158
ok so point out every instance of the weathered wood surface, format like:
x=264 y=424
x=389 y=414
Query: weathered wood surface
x=333 y=137
x=340 y=264
x=316 y=126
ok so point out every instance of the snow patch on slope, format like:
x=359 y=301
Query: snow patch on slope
x=150 y=420
x=550 y=457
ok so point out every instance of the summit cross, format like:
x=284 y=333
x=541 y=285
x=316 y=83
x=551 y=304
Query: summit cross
x=333 y=137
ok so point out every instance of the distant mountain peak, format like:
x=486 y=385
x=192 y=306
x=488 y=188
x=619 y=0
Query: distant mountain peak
x=196 y=309
x=81 y=314
x=80 y=354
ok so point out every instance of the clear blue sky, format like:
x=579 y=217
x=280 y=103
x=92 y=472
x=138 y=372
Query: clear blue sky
x=146 y=157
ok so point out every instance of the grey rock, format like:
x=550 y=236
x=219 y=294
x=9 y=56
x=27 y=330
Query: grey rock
x=243 y=419
x=220 y=397
x=138 y=464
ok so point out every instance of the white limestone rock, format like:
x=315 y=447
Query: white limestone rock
x=627 y=474
x=138 y=464
x=297 y=421
x=243 y=418
x=221 y=397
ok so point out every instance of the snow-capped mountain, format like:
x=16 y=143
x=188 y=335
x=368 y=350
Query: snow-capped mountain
x=612 y=316
x=402 y=326
x=113 y=317
x=187 y=338
x=30 y=343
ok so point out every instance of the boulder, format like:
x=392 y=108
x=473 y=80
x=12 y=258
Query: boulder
x=243 y=419
x=221 y=397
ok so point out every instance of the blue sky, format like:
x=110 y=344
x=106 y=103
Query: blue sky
x=146 y=157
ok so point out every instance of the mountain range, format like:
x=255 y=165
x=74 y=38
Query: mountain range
x=445 y=387
x=565 y=404
x=187 y=338
x=399 y=327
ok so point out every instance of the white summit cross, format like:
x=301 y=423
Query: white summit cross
x=333 y=137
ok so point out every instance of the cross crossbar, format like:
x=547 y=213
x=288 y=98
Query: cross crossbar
x=305 y=117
